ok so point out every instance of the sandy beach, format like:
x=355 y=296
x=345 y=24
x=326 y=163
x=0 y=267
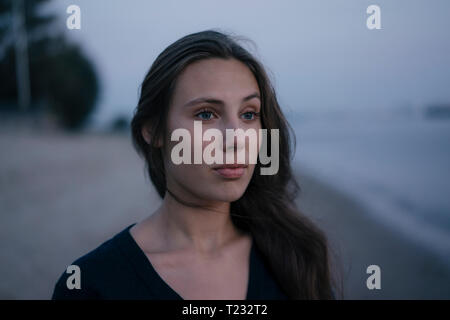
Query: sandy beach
x=62 y=195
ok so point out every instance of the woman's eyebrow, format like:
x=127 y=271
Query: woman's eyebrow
x=212 y=100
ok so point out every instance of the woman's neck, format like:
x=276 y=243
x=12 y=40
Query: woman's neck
x=204 y=230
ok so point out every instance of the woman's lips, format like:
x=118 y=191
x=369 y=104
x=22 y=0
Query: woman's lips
x=230 y=173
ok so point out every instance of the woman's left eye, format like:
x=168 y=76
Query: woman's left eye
x=251 y=113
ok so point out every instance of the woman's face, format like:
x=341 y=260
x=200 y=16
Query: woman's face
x=226 y=96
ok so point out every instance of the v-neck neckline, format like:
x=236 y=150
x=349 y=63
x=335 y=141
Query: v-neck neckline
x=148 y=273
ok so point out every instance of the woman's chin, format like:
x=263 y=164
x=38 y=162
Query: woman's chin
x=225 y=193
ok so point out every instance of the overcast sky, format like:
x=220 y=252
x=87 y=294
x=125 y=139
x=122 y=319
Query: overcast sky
x=321 y=54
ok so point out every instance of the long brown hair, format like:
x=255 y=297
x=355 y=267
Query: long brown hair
x=291 y=245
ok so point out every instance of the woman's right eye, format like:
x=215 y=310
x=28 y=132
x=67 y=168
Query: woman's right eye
x=202 y=114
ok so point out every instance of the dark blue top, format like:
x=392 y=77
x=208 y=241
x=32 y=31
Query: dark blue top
x=119 y=269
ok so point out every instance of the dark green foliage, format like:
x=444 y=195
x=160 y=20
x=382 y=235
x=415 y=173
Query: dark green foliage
x=120 y=124
x=61 y=77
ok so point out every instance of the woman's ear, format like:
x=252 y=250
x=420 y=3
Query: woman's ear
x=158 y=143
x=148 y=137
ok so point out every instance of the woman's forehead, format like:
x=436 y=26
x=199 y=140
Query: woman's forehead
x=219 y=78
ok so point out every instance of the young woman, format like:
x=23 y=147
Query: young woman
x=223 y=231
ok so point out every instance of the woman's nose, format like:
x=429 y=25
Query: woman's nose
x=233 y=134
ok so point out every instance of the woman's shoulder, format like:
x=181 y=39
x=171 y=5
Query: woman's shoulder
x=85 y=276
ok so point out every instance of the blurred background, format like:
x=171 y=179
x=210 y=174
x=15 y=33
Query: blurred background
x=370 y=109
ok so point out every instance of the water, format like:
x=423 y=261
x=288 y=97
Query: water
x=399 y=168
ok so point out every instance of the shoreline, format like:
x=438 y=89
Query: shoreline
x=387 y=213
x=408 y=270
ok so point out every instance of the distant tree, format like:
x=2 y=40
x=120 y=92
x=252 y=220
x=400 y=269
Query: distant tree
x=60 y=75
x=70 y=86
x=120 y=123
x=437 y=111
